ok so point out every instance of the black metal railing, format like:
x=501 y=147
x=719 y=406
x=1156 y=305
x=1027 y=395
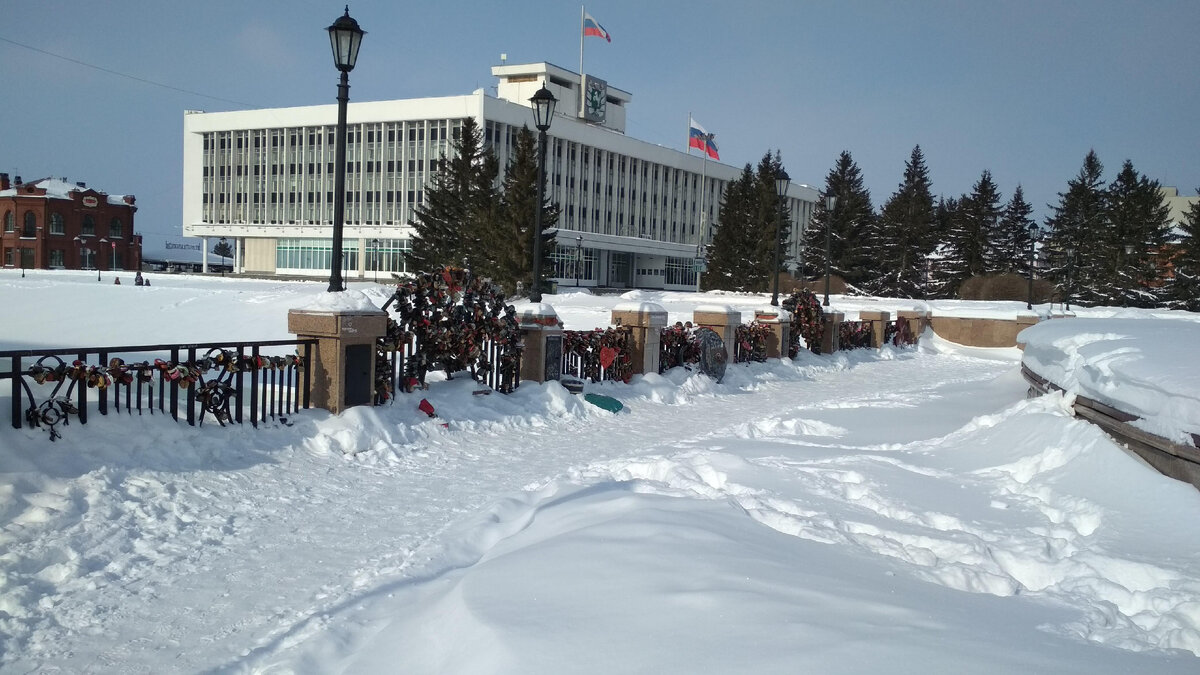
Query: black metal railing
x=597 y=355
x=401 y=365
x=228 y=381
x=856 y=335
x=678 y=346
x=750 y=342
x=899 y=333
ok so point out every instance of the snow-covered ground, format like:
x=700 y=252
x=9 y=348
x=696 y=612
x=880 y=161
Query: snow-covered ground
x=901 y=511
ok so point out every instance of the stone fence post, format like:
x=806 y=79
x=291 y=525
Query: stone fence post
x=646 y=320
x=917 y=320
x=722 y=319
x=343 y=368
x=830 y=339
x=541 y=359
x=879 y=325
x=780 y=323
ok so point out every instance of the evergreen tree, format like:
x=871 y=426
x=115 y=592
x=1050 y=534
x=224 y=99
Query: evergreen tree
x=971 y=232
x=511 y=262
x=448 y=225
x=1185 y=288
x=942 y=283
x=1137 y=226
x=1074 y=248
x=1012 y=241
x=224 y=249
x=771 y=224
x=730 y=252
x=852 y=251
x=904 y=233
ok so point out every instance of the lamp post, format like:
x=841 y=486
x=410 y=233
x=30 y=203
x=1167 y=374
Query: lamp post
x=543 y=113
x=830 y=205
x=1070 y=264
x=103 y=241
x=345 y=37
x=224 y=244
x=781 y=186
x=578 y=257
x=1033 y=229
x=375 y=249
x=82 y=241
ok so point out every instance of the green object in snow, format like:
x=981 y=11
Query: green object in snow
x=607 y=402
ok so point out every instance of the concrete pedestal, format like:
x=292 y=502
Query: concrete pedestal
x=646 y=321
x=722 y=319
x=830 y=341
x=343 y=368
x=541 y=359
x=780 y=323
x=879 y=320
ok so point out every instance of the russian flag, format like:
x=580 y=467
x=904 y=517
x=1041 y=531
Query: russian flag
x=591 y=27
x=702 y=140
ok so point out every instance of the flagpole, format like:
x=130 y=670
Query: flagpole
x=582 y=12
x=688 y=146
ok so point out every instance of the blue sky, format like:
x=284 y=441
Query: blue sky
x=1021 y=88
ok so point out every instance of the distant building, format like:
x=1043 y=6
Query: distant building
x=632 y=213
x=52 y=224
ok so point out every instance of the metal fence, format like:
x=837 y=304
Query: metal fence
x=856 y=335
x=228 y=381
x=598 y=355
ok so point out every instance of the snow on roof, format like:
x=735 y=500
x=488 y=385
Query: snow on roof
x=58 y=188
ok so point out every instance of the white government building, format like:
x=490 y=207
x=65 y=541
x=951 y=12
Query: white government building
x=631 y=211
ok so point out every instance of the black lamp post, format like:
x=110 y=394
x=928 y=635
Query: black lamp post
x=345 y=37
x=375 y=247
x=543 y=113
x=224 y=243
x=103 y=241
x=578 y=257
x=1070 y=264
x=781 y=185
x=830 y=205
x=1033 y=230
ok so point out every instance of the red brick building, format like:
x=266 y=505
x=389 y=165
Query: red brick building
x=53 y=224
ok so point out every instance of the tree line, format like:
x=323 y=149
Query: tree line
x=1103 y=243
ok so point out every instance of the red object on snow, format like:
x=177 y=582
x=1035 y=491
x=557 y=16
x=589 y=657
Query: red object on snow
x=607 y=356
x=426 y=407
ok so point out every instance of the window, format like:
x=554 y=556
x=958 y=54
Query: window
x=8 y=255
x=89 y=225
x=8 y=221
x=117 y=229
x=56 y=258
x=29 y=230
x=56 y=224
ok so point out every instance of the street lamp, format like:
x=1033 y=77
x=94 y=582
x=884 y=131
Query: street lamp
x=1033 y=230
x=103 y=241
x=224 y=244
x=543 y=113
x=375 y=248
x=578 y=257
x=345 y=37
x=830 y=205
x=781 y=187
x=1070 y=264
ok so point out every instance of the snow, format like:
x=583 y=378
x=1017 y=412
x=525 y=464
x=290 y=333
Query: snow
x=60 y=189
x=906 y=510
x=344 y=301
x=1145 y=367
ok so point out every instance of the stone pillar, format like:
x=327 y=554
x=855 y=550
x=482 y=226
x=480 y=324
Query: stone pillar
x=541 y=360
x=780 y=323
x=917 y=320
x=880 y=319
x=647 y=320
x=833 y=324
x=1025 y=321
x=343 y=368
x=722 y=319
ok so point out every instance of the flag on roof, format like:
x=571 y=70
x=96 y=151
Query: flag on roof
x=591 y=27
x=702 y=140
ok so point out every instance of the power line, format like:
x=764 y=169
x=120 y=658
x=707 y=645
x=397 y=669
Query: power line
x=125 y=75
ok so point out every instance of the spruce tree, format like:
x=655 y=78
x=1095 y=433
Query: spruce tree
x=1074 y=233
x=448 y=223
x=944 y=259
x=1185 y=287
x=730 y=252
x=771 y=224
x=509 y=261
x=971 y=232
x=852 y=249
x=1012 y=241
x=903 y=234
x=1138 y=225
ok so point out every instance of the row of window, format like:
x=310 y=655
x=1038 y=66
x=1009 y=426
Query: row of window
x=388 y=255
x=87 y=258
x=29 y=227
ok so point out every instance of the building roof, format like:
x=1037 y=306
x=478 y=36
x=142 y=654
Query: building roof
x=59 y=188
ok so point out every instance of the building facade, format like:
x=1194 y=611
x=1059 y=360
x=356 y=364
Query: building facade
x=633 y=213
x=53 y=224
